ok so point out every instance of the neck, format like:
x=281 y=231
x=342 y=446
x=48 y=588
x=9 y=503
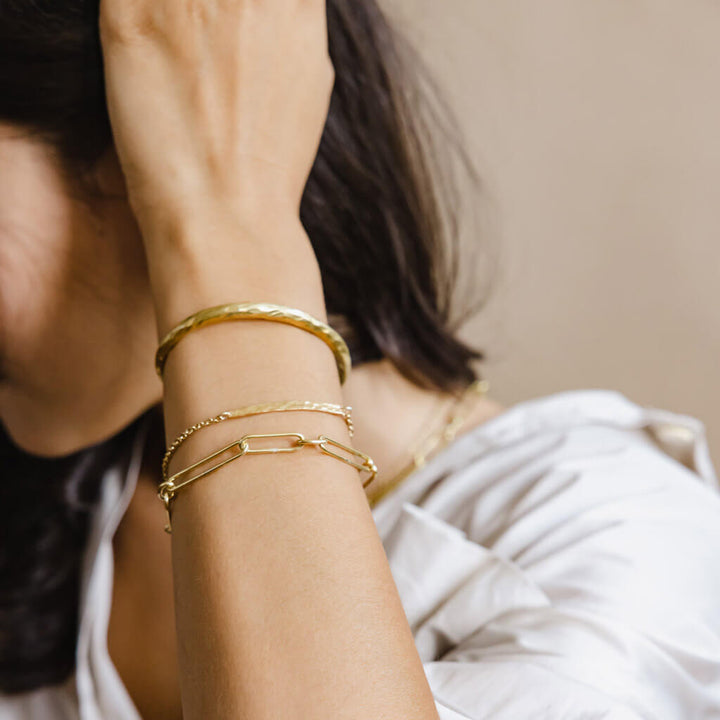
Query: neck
x=392 y=415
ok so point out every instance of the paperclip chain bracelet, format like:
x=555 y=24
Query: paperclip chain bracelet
x=332 y=409
x=168 y=489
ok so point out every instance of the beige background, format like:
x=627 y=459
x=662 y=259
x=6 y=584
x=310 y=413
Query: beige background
x=596 y=128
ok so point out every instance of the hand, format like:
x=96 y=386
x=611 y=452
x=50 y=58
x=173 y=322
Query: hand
x=216 y=103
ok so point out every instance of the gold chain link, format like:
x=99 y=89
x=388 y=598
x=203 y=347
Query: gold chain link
x=168 y=489
x=331 y=408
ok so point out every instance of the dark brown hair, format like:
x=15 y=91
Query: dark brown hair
x=379 y=211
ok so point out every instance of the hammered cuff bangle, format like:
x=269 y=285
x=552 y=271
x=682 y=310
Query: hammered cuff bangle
x=257 y=311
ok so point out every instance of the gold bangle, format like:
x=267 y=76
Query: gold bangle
x=330 y=408
x=257 y=311
x=168 y=489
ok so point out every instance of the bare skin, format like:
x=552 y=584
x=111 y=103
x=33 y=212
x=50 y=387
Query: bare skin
x=79 y=334
x=37 y=397
x=141 y=631
x=77 y=321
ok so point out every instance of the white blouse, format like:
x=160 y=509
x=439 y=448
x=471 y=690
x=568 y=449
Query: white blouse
x=560 y=561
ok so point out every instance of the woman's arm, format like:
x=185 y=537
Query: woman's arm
x=285 y=603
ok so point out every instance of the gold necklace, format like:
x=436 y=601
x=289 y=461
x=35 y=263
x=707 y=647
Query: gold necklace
x=457 y=416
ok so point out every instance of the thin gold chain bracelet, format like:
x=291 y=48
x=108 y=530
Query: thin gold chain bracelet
x=168 y=489
x=330 y=408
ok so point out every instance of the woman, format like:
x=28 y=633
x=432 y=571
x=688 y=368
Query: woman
x=551 y=560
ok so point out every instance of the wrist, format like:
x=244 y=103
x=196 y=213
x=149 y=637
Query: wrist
x=200 y=261
x=203 y=230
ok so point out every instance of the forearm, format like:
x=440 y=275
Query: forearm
x=285 y=604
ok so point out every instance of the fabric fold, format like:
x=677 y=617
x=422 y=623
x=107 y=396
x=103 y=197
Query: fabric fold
x=440 y=575
x=558 y=562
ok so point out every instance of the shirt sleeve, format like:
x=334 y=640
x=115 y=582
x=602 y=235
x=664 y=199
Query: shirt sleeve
x=595 y=598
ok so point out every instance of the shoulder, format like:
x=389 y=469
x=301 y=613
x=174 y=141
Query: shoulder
x=565 y=548
x=572 y=450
